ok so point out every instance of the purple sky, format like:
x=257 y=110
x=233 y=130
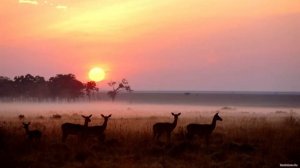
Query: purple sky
x=206 y=46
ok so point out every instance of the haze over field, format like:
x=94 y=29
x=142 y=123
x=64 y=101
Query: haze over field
x=246 y=135
x=125 y=110
x=212 y=45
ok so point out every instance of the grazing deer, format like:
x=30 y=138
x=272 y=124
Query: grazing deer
x=203 y=130
x=167 y=128
x=21 y=117
x=74 y=129
x=32 y=134
x=97 y=130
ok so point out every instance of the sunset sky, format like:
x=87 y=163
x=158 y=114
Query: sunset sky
x=204 y=45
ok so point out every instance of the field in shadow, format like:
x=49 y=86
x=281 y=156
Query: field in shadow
x=238 y=141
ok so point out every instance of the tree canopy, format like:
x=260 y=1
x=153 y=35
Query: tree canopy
x=117 y=87
x=61 y=86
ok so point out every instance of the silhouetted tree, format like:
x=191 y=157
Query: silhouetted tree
x=29 y=86
x=24 y=85
x=40 y=89
x=6 y=87
x=123 y=85
x=62 y=86
x=65 y=86
x=90 y=87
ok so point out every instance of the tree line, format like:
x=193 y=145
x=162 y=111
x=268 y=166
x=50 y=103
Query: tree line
x=59 y=87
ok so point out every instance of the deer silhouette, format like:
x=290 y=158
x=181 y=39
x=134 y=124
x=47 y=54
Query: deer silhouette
x=21 y=117
x=74 y=129
x=32 y=134
x=203 y=130
x=97 y=131
x=165 y=127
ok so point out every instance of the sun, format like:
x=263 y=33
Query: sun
x=96 y=74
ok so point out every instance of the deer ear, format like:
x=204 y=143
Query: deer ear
x=23 y=123
x=83 y=116
x=172 y=113
x=90 y=116
x=178 y=114
x=102 y=115
x=109 y=115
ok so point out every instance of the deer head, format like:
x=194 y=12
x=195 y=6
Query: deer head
x=217 y=117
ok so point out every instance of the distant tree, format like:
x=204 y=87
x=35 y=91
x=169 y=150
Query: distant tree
x=29 y=86
x=65 y=86
x=6 y=87
x=62 y=86
x=90 y=87
x=117 y=88
x=24 y=85
x=40 y=88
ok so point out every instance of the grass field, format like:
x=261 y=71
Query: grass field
x=242 y=139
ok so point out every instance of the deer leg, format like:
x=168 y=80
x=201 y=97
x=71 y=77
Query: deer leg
x=154 y=135
x=169 y=137
x=38 y=139
x=64 y=137
x=189 y=136
x=158 y=136
x=207 y=140
x=101 y=137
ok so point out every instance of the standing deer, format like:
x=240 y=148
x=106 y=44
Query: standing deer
x=167 y=128
x=203 y=130
x=97 y=130
x=21 y=117
x=74 y=129
x=32 y=134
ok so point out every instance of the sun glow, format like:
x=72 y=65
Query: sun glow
x=96 y=74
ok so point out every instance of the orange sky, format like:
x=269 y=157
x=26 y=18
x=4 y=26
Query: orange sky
x=157 y=45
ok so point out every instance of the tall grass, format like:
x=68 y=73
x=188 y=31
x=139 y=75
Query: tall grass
x=238 y=141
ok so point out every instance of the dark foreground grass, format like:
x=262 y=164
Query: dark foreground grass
x=242 y=141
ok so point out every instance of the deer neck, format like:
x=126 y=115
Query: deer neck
x=174 y=122
x=86 y=123
x=104 y=123
x=213 y=123
x=27 y=130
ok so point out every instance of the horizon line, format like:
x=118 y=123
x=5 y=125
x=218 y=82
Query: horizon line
x=216 y=91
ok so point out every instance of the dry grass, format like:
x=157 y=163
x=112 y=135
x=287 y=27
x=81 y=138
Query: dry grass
x=247 y=140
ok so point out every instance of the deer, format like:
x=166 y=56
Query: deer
x=97 y=130
x=165 y=127
x=32 y=134
x=74 y=129
x=21 y=117
x=203 y=130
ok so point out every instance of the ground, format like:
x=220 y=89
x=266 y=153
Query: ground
x=245 y=140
